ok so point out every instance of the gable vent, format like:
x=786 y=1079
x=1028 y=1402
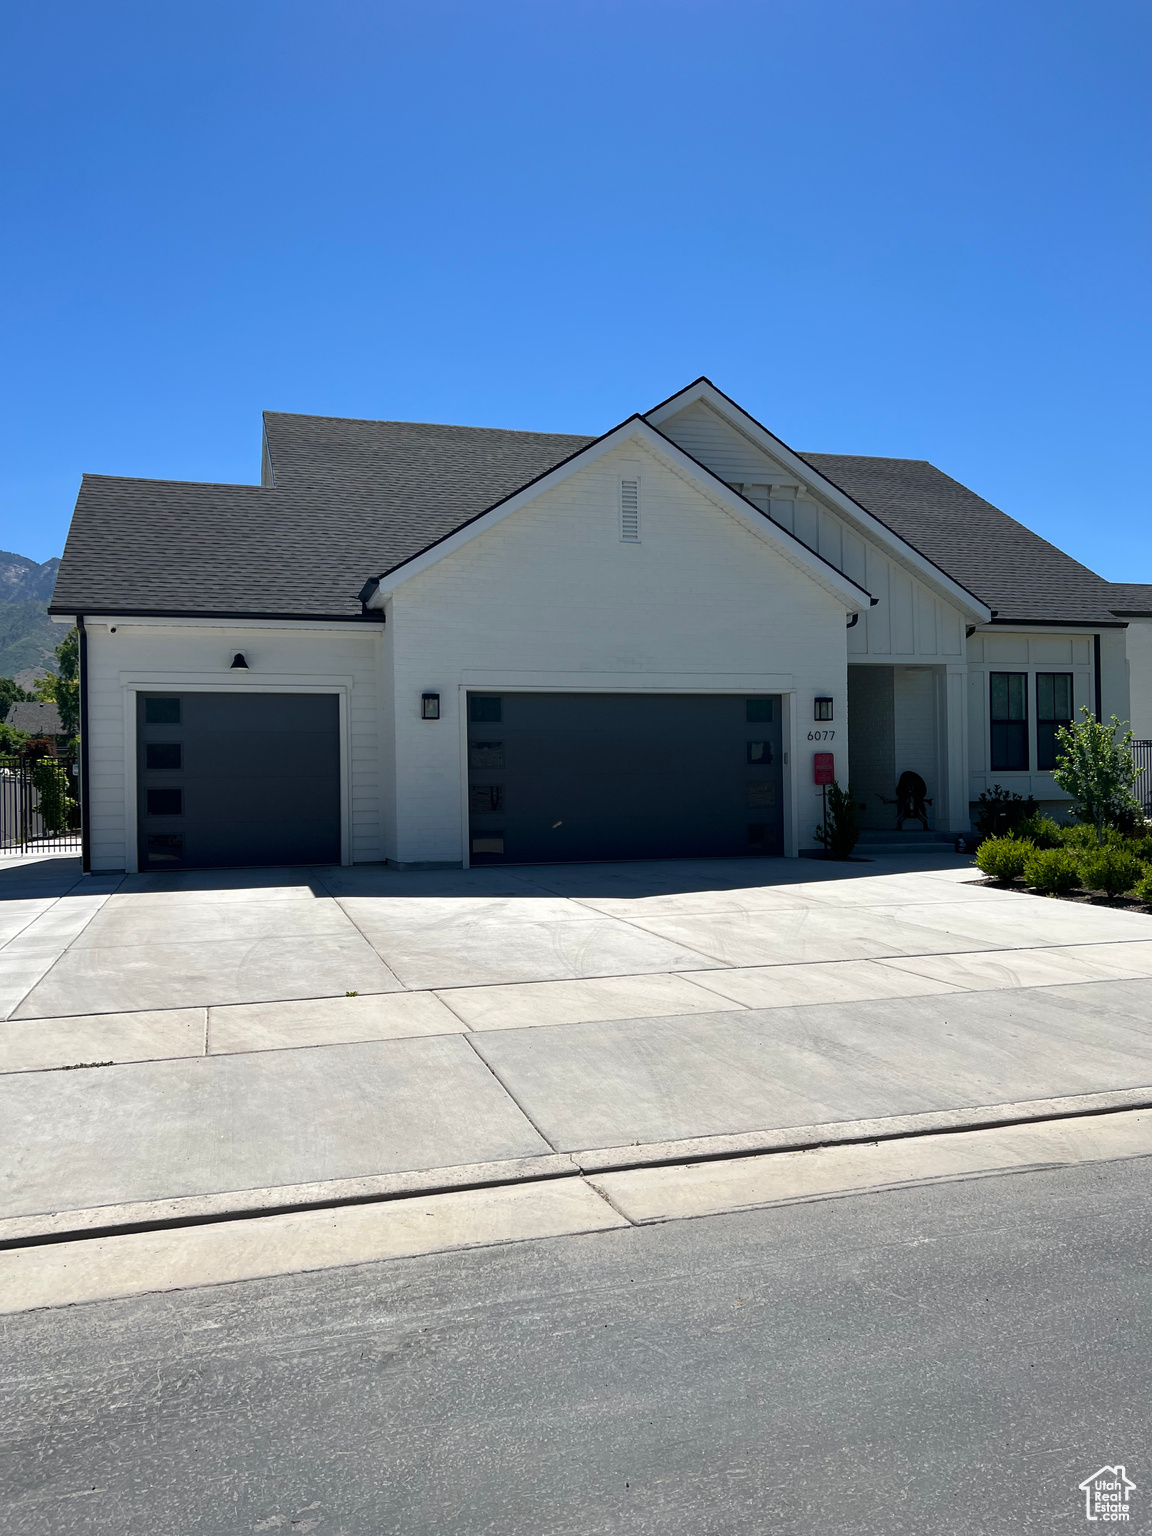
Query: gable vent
x=630 y=511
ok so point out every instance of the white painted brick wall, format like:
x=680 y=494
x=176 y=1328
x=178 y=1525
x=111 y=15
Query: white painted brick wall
x=550 y=597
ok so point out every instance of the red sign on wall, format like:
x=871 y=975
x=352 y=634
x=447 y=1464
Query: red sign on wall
x=823 y=768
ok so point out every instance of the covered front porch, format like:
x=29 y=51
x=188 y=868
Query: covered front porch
x=909 y=720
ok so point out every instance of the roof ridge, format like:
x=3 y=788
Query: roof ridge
x=212 y=485
x=455 y=426
x=869 y=458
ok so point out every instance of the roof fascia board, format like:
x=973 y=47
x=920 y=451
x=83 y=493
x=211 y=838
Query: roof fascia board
x=1085 y=626
x=705 y=392
x=100 y=615
x=635 y=428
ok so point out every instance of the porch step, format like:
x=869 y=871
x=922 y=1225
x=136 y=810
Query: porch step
x=905 y=838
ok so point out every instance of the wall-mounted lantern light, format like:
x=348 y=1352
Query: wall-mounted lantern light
x=823 y=709
x=429 y=706
x=238 y=660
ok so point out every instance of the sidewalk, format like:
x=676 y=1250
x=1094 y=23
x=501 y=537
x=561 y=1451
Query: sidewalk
x=530 y=1024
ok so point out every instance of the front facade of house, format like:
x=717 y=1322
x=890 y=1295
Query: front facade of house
x=445 y=646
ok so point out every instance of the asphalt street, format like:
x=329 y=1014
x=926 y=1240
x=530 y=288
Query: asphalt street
x=954 y=1358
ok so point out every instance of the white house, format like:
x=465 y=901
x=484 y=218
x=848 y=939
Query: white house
x=438 y=645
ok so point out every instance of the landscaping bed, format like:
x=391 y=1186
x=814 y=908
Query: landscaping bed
x=1099 y=866
x=1086 y=898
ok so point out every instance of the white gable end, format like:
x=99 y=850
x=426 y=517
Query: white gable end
x=909 y=619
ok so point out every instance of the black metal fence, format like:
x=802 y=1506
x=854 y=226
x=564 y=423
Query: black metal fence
x=39 y=805
x=1142 y=757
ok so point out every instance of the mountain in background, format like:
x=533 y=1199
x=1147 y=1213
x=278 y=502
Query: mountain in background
x=28 y=637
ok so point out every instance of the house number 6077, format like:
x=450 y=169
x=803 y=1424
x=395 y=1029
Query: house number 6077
x=821 y=735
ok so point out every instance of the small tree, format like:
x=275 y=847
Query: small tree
x=10 y=693
x=68 y=681
x=62 y=687
x=1096 y=770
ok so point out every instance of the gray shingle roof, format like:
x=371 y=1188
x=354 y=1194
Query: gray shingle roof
x=39 y=719
x=1010 y=568
x=353 y=499
x=1131 y=598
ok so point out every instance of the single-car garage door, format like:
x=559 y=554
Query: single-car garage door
x=237 y=778
x=576 y=776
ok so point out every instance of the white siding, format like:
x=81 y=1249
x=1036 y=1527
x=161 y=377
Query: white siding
x=717 y=443
x=1138 y=653
x=174 y=655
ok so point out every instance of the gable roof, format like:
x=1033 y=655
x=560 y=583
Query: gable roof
x=636 y=429
x=347 y=499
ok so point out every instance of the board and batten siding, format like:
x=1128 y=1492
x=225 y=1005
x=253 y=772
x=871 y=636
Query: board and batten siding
x=909 y=619
x=552 y=598
x=158 y=655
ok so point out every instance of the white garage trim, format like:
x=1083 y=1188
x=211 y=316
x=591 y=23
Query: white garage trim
x=214 y=682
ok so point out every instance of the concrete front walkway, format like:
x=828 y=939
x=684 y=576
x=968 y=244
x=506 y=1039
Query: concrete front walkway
x=256 y=1039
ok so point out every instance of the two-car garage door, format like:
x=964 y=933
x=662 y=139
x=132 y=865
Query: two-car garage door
x=579 y=776
x=232 y=779
x=237 y=778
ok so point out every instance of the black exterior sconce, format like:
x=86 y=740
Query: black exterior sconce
x=239 y=661
x=823 y=709
x=429 y=706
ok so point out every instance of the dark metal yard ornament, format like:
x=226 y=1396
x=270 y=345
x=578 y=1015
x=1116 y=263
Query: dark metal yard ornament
x=911 y=800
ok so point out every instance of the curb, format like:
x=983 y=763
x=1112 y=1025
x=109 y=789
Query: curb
x=201 y=1210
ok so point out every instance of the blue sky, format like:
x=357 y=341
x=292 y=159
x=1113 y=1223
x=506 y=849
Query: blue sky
x=886 y=228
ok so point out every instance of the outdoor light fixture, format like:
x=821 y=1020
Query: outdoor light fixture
x=238 y=660
x=823 y=709
x=430 y=706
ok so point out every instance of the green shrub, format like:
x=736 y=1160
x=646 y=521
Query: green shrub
x=1111 y=870
x=1040 y=831
x=1003 y=858
x=1052 y=871
x=1142 y=890
x=999 y=811
x=843 y=823
x=1083 y=836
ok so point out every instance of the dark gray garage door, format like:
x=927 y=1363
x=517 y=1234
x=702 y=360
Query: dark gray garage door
x=573 y=776
x=237 y=778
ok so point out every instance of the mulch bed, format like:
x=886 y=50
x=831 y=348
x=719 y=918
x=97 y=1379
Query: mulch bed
x=1085 y=898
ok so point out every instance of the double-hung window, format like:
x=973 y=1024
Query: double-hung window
x=1053 y=709
x=1009 y=700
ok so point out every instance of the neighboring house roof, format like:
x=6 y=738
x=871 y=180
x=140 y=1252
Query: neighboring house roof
x=349 y=499
x=1016 y=572
x=35 y=718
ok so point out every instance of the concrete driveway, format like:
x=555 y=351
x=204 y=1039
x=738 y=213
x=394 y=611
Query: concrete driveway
x=288 y=1036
